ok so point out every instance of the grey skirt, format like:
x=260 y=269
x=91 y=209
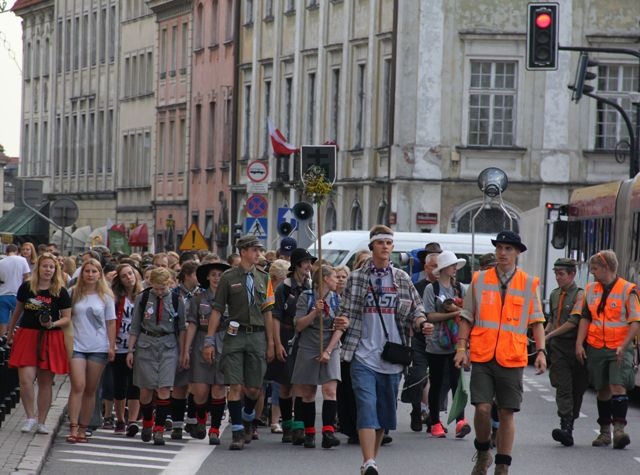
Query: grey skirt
x=307 y=370
x=155 y=361
x=199 y=370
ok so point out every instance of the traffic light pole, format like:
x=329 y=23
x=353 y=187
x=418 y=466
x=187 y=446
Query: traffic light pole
x=634 y=134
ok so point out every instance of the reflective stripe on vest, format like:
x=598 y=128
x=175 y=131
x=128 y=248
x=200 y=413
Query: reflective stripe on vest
x=500 y=328
x=610 y=327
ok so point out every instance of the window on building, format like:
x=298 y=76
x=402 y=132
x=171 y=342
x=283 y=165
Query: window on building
x=331 y=217
x=36 y=60
x=126 y=158
x=247 y=121
x=45 y=96
x=290 y=6
x=133 y=79
x=359 y=107
x=383 y=212
x=112 y=33
x=211 y=136
x=46 y=58
x=44 y=149
x=174 y=50
x=267 y=113
x=616 y=83
x=149 y=74
x=109 y=135
x=199 y=42
x=82 y=138
x=161 y=147
x=57 y=145
x=268 y=9
x=100 y=142
x=288 y=104
x=91 y=143
x=102 y=36
x=356 y=215
x=386 y=102
x=67 y=46
x=93 y=37
x=171 y=149
x=311 y=106
x=76 y=43
x=184 y=44
x=197 y=137
x=213 y=33
x=84 y=54
x=228 y=122
x=33 y=158
x=25 y=144
x=335 y=104
x=228 y=21
x=248 y=12
x=73 y=145
x=66 y=146
x=145 y=179
x=27 y=62
x=60 y=53
x=163 y=53
x=492 y=103
x=182 y=141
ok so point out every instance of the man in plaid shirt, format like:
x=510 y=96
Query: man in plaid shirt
x=375 y=293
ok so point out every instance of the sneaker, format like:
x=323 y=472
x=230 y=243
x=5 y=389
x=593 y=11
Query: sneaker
x=297 y=437
x=369 y=468
x=329 y=440
x=276 y=428
x=132 y=429
x=286 y=435
x=158 y=437
x=437 y=431
x=214 y=439
x=42 y=429
x=107 y=424
x=176 y=434
x=120 y=427
x=462 y=428
x=146 y=433
x=28 y=425
x=416 y=421
x=199 y=431
x=386 y=440
x=237 y=441
x=310 y=441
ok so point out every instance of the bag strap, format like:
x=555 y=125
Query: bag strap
x=375 y=299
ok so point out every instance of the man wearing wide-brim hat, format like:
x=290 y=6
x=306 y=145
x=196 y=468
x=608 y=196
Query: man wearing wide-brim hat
x=248 y=295
x=284 y=311
x=500 y=306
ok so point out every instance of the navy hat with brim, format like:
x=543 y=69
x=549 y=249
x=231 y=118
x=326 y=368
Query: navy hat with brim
x=202 y=272
x=511 y=238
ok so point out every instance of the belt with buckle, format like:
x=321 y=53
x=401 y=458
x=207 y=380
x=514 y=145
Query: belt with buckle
x=155 y=334
x=251 y=328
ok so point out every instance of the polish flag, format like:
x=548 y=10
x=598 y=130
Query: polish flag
x=279 y=142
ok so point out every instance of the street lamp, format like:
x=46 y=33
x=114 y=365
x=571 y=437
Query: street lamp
x=492 y=182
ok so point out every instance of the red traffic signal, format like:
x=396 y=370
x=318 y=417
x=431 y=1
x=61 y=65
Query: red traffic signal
x=542 y=36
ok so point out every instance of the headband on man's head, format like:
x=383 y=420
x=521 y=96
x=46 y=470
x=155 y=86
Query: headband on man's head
x=379 y=237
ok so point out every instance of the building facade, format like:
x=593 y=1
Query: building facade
x=212 y=118
x=171 y=175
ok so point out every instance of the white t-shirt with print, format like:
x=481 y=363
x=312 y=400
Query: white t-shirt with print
x=122 y=335
x=90 y=315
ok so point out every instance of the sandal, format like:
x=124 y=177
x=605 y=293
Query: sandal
x=82 y=438
x=72 y=439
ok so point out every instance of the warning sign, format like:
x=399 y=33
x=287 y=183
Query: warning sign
x=193 y=240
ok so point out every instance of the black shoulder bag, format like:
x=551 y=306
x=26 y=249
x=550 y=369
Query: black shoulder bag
x=395 y=353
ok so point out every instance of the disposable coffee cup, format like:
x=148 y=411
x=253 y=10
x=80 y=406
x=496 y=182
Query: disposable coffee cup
x=232 y=329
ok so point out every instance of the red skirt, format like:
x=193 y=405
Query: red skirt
x=40 y=349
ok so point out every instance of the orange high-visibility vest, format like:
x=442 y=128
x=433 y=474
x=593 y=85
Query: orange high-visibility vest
x=610 y=327
x=500 y=330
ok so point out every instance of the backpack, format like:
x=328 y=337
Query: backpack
x=175 y=300
x=446 y=333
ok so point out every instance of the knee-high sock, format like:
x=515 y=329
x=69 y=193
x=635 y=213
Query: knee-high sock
x=147 y=414
x=309 y=417
x=178 y=407
x=286 y=411
x=235 y=414
x=217 y=410
x=162 y=409
x=619 y=405
x=329 y=409
x=604 y=412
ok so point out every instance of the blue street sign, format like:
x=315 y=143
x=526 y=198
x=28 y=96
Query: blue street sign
x=285 y=215
x=256 y=226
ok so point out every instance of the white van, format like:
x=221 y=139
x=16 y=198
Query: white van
x=340 y=247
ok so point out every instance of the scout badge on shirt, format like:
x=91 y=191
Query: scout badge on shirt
x=149 y=311
x=204 y=311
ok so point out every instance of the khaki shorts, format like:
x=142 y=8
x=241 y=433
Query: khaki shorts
x=244 y=359
x=605 y=370
x=490 y=380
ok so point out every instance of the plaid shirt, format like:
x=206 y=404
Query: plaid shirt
x=408 y=306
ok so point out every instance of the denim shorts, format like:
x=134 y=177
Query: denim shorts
x=95 y=357
x=7 y=306
x=376 y=397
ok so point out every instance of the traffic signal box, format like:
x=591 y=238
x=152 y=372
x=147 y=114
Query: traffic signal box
x=542 y=36
x=583 y=75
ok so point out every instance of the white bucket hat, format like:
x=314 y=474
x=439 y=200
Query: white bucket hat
x=446 y=259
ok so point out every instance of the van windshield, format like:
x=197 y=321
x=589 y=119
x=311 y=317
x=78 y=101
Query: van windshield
x=334 y=256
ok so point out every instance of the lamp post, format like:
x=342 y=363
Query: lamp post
x=492 y=182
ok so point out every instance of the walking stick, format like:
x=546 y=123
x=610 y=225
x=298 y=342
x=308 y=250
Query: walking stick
x=319 y=226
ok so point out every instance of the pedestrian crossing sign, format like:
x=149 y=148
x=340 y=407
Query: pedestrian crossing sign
x=257 y=227
x=193 y=240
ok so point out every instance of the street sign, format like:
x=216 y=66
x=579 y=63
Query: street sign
x=285 y=215
x=193 y=240
x=257 y=171
x=257 y=206
x=63 y=212
x=256 y=226
x=322 y=155
x=257 y=188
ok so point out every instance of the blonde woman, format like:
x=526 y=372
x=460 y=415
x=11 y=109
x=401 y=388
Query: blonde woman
x=28 y=251
x=94 y=334
x=342 y=274
x=38 y=351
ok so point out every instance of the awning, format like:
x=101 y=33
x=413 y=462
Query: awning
x=21 y=221
x=139 y=236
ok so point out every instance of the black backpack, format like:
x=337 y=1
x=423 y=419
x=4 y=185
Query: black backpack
x=175 y=300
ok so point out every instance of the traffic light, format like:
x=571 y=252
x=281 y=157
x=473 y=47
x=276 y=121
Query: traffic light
x=583 y=74
x=542 y=36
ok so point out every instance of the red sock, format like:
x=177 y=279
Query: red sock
x=328 y=429
x=214 y=430
x=309 y=431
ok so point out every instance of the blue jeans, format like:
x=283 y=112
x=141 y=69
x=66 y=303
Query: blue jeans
x=376 y=397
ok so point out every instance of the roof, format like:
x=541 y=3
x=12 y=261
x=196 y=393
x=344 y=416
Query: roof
x=22 y=4
x=21 y=221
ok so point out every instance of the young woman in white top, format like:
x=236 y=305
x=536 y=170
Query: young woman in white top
x=94 y=333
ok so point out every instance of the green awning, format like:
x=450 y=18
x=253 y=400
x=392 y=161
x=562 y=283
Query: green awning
x=21 y=221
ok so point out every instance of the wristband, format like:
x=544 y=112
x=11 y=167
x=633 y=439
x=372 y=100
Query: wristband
x=461 y=349
x=543 y=351
x=209 y=341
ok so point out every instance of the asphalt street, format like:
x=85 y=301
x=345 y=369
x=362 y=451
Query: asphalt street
x=409 y=453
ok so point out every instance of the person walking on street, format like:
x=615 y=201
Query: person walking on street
x=382 y=306
x=14 y=270
x=609 y=322
x=566 y=373
x=248 y=344
x=500 y=305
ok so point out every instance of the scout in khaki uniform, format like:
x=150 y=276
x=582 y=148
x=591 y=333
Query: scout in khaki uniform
x=610 y=320
x=248 y=344
x=566 y=374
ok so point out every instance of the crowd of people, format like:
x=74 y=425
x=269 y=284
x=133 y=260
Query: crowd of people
x=169 y=342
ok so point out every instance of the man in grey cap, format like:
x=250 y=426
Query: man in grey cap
x=566 y=374
x=428 y=258
x=247 y=293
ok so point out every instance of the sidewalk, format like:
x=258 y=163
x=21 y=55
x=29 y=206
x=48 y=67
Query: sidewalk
x=26 y=453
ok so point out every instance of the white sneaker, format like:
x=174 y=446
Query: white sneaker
x=28 y=425
x=369 y=468
x=42 y=429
